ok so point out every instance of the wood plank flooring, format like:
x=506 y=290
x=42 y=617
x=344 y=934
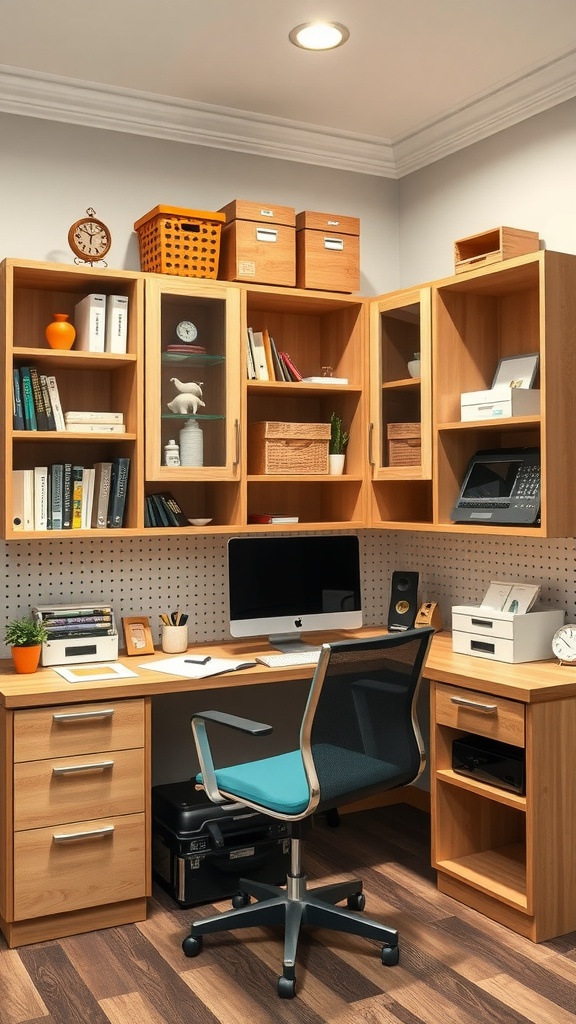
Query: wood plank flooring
x=456 y=967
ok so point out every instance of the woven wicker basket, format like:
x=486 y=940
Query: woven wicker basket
x=404 y=445
x=181 y=242
x=288 y=448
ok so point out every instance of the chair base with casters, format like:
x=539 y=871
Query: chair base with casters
x=359 y=737
x=292 y=907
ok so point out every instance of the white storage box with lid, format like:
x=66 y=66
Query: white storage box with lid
x=499 y=403
x=504 y=636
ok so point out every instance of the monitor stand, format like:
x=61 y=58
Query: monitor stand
x=291 y=643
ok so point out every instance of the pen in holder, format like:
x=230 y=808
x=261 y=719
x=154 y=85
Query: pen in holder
x=174 y=639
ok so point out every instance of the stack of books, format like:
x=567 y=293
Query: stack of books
x=35 y=401
x=67 y=497
x=95 y=422
x=101 y=323
x=163 y=510
x=67 y=622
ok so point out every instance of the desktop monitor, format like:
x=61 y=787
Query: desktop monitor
x=280 y=587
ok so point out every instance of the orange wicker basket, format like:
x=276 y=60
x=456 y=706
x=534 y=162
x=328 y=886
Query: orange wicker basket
x=181 y=242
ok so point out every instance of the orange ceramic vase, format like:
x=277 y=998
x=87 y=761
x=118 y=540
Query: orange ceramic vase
x=26 y=659
x=60 y=334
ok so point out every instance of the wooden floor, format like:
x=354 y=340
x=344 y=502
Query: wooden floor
x=456 y=967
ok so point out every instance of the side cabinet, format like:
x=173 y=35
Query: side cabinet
x=78 y=810
x=509 y=856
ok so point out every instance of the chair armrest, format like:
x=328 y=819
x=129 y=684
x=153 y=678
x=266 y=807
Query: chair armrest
x=203 y=749
x=234 y=722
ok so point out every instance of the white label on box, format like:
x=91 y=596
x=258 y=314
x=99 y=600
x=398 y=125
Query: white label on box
x=246 y=268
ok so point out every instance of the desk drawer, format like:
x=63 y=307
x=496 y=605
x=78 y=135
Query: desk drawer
x=480 y=713
x=75 y=788
x=78 y=729
x=82 y=865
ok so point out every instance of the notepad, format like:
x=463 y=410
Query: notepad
x=183 y=666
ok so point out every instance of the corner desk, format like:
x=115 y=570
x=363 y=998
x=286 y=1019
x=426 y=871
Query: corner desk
x=75 y=782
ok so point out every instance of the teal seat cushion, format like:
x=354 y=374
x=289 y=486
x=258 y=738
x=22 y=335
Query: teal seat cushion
x=278 y=783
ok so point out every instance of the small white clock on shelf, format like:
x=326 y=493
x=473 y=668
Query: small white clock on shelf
x=564 y=644
x=187 y=331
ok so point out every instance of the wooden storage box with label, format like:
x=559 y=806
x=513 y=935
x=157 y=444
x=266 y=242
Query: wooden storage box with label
x=327 y=252
x=492 y=247
x=288 y=448
x=258 y=243
x=404 y=445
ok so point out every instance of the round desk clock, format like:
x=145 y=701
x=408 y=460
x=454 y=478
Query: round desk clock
x=186 y=331
x=564 y=644
x=89 y=239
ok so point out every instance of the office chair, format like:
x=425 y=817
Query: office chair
x=359 y=736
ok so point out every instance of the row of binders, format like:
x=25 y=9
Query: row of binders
x=265 y=361
x=36 y=405
x=67 y=497
x=101 y=323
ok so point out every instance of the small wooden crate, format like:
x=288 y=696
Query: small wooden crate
x=278 y=449
x=327 y=252
x=258 y=243
x=404 y=445
x=181 y=242
x=492 y=247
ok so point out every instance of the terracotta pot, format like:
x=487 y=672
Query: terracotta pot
x=60 y=334
x=26 y=659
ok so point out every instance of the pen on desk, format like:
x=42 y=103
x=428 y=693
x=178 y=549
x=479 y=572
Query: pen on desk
x=198 y=661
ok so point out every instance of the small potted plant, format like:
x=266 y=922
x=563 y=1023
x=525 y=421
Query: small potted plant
x=25 y=636
x=337 y=447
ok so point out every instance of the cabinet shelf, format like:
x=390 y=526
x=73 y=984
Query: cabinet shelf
x=472 y=785
x=64 y=436
x=199 y=359
x=500 y=873
x=510 y=424
x=407 y=384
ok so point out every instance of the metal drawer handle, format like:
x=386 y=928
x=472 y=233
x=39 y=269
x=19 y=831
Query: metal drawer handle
x=77 y=716
x=67 y=837
x=68 y=769
x=486 y=709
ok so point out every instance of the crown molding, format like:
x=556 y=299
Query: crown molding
x=35 y=94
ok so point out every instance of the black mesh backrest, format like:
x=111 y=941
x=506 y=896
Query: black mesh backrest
x=363 y=731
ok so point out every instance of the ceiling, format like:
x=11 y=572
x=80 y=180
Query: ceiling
x=417 y=80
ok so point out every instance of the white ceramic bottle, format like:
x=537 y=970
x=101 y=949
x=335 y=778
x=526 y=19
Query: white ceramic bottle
x=171 y=454
x=191 y=444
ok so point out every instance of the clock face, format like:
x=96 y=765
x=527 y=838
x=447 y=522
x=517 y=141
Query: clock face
x=187 y=331
x=564 y=643
x=89 y=239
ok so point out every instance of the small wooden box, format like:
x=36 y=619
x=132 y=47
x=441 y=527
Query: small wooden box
x=404 y=445
x=288 y=448
x=258 y=244
x=327 y=252
x=492 y=247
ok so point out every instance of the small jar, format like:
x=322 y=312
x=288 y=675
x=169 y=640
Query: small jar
x=191 y=444
x=171 y=454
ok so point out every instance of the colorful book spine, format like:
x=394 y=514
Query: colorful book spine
x=77 y=491
x=41 y=417
x=17 y=407
x=56 y=482
x=292 y=369
x=28 y=399
x=55 y=403
x=67 y=496
x=118 y=492
x=102 y=480
x=47 y=402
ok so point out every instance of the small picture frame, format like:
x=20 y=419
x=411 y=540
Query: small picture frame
x=137 y=635
x=516 y=371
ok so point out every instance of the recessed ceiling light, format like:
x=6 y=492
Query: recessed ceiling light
x=319 y=35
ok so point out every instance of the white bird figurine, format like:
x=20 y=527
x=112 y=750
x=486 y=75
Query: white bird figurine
x=190 y=388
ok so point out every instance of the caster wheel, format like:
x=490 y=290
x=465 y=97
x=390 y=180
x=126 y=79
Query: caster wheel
x=356 y=902
x=390 y=955
x=240 y=899
x=286 y=987
x=192 y=945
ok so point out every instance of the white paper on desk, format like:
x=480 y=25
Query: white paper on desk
x=183 y=666
x=496 y=596
x=87 y=673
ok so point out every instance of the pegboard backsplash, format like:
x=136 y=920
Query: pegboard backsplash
x=149 y=575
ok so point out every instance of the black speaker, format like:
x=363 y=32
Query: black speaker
x=403 y=601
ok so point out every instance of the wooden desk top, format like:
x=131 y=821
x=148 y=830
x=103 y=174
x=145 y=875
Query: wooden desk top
x=530 y=682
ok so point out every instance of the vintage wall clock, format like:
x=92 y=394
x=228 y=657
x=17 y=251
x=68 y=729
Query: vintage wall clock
x=89 y=239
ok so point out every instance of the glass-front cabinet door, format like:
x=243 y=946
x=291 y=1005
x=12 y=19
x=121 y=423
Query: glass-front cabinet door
x=192 y=375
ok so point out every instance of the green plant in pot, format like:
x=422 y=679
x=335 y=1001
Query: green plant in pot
x=25 y=636
x=338 y=443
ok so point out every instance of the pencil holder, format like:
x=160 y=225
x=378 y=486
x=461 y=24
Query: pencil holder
x=174 y=639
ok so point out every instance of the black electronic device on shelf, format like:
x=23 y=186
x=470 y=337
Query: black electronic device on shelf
x=501 y=486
